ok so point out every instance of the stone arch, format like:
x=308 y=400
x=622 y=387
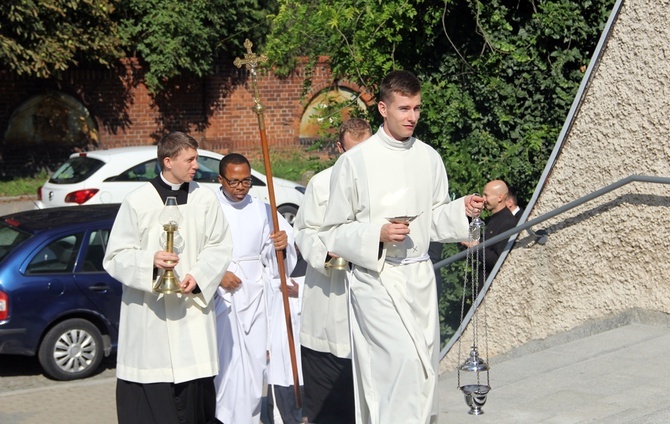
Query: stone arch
x=321 y=101
x=43 y=130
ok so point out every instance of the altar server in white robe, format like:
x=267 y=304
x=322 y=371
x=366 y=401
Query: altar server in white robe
x=389 y=198
x=241 y=308
x=167 y=352
x=324 y=336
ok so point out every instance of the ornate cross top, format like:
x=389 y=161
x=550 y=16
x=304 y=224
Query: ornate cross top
x=251 y=61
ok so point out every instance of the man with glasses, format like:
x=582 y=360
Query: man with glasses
x=241 y=315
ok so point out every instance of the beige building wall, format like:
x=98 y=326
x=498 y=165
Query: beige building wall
x=612 y=254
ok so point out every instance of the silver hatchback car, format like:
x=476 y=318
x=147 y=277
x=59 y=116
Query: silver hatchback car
x=107 y=176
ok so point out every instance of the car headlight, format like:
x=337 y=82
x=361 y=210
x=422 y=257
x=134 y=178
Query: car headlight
x=300 y=189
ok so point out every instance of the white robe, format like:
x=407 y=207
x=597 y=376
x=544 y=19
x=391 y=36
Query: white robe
x=280 y=369
x=325 y=321
x=394 y=324
x=241 y=315
x=167 y=338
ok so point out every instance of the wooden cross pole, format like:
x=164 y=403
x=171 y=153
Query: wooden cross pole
x=251 y=62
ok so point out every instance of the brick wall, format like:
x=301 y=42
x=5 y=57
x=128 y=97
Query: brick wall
x=216 y=110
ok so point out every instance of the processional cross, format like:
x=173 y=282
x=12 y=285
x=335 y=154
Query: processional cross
x=251 y=61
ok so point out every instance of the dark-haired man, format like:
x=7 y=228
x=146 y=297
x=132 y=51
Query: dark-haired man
x=389 y=197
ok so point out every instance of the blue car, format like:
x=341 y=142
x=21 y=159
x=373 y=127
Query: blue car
x=56 y=300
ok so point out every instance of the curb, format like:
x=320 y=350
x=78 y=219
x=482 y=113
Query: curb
x=21 y=198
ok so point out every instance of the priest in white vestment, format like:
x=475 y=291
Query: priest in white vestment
x=389 y=197
x=167 y=352
x=241 y=304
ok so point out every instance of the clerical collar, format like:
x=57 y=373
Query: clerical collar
x=166 y=189
x=173 y=187
x=392 y=143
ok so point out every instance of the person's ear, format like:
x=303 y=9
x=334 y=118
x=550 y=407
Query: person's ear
x=167 y=163
x=220 y=179
x=381 y=106
x=340 y=147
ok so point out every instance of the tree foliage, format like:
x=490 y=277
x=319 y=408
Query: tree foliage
x=41 y=38
x=499 y=77
x=175 y=37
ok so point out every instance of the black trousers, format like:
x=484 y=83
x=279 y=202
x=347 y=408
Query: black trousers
x=191 y=402
x=329 y=388
x=283 y=398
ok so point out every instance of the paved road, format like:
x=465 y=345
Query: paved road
x=618 y=376
x=16 y=204
x=21 y=373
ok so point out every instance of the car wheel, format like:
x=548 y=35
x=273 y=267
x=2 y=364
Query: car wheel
x=288 y=212
x=71 y=350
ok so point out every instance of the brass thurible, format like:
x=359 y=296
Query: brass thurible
x=339 y=264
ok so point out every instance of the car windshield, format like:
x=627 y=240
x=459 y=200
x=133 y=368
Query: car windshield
x=76 y=170
x=10 y=238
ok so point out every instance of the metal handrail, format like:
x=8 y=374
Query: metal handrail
x=512 y=233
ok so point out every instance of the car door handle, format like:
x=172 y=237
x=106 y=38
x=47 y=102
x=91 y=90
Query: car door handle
x=99 y=287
